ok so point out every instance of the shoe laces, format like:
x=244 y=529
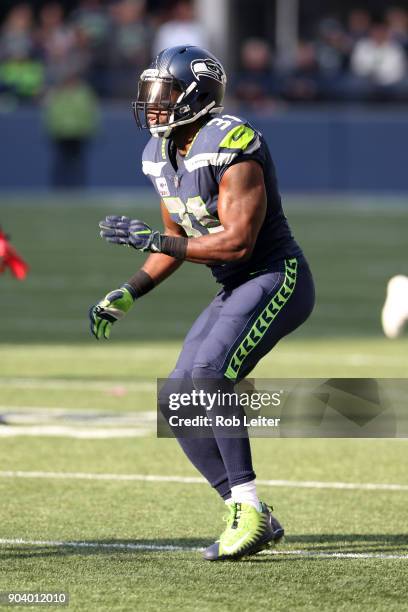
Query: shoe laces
x=229 y=516
x=237 y=515
x=243 y=516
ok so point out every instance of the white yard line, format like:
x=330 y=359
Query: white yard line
x=297 y=484
x=348 y=359
x=101 y=433
x=175 y=548
x=42 y=415
x=78 y=423
x=113 y=477
x=113 y=545
x=77 y=385
x=336 y=555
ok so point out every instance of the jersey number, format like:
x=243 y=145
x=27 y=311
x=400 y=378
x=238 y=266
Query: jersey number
x=223 y=122
x=193 y=216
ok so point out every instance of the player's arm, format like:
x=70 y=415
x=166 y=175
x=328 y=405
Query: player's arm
x=115 y=305
x=241 y=209
x=158 y=265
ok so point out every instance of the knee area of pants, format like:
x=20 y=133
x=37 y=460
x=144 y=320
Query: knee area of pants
x=204 y=372
x=178 y=382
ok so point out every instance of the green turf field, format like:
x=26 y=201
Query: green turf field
x=94 y=504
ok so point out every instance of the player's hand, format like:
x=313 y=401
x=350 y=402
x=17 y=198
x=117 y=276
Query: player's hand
x=130 y=232
x=112 y=308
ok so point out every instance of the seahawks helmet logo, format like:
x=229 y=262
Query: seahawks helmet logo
x=208 y=68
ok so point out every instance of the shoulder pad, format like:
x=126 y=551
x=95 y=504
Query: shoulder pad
x=221 y=141
x=238 y=137
x=228 y=132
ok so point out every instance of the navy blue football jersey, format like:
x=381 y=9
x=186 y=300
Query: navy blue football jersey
x=190 y=192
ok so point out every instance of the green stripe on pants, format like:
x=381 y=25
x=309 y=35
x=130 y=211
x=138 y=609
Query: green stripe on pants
x=264 y=320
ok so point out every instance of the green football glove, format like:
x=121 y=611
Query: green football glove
x=112 y=308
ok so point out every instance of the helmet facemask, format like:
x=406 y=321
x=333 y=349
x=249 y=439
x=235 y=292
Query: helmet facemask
x=166 y=98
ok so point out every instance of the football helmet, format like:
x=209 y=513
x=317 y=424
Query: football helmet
x=182 y=84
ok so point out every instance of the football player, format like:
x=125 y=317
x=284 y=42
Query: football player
x=221 y=207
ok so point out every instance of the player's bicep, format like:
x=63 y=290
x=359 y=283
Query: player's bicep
x=171 y=228
x=242 y=200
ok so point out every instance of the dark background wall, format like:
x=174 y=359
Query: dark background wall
x=314 y=150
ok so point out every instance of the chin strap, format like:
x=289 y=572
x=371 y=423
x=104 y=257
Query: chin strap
x=164 y=131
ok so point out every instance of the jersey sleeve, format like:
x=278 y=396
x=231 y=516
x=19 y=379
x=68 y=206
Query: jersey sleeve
x=241 y=143
x=152 y=162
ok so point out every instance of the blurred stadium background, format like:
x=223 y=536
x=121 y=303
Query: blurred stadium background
x=327 y=83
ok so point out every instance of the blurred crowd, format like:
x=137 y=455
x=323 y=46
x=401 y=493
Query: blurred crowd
x=105 y=45
x=363 y=59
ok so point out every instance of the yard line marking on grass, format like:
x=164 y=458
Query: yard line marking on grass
x=297 y=484
x=77 y=385
x=349 y=359
x=175 y=548
x=88 y=433
x=336 y=555
x=313 y=484
x=114 y=477
x=113 y=545
x=42 y=415
x=78 y=423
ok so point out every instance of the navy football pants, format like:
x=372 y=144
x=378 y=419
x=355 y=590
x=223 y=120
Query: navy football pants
x=227 y=340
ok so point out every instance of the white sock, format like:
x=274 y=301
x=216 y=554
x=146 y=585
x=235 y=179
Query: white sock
x=246 y=493
x=229 y=501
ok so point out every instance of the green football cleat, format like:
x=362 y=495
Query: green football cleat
x=248 y=531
